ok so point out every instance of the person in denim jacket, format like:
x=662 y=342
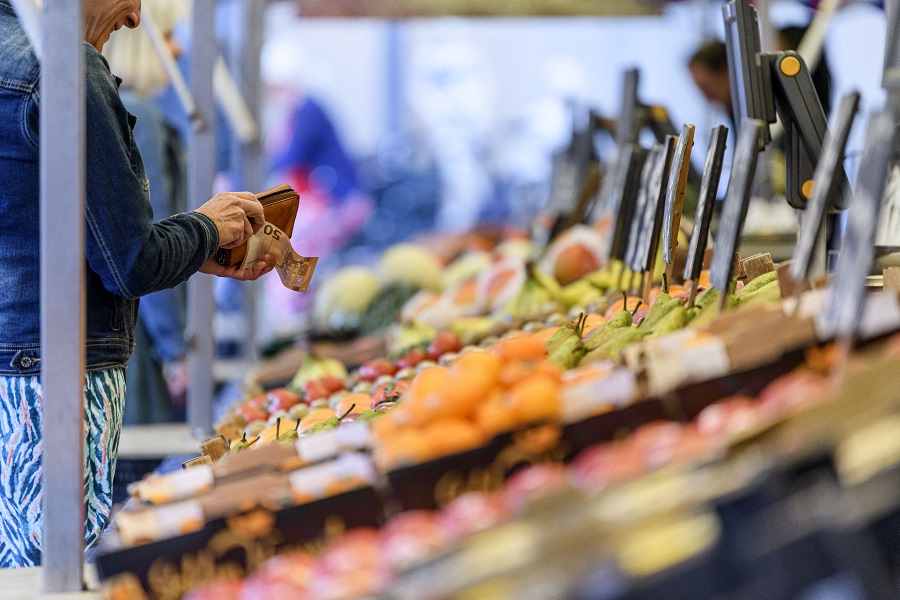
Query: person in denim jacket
x=127 y=256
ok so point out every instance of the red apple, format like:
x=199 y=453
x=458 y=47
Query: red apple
x=222 y=589
x=605 y=465
x=373 y=369
x=412 y=536
x=728 y=417
x=473 y=512
x=534 y=481
x=444 y=342
x=282 y=399
x=284 y=576
x=411 y=358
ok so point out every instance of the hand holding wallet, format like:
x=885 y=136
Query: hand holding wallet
x=280 y=206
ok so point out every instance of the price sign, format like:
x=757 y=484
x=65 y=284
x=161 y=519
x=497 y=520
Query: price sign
x=628 y=204
x=706 y=202
x=653 y=212
x=737 y=199
x=825 y=183
x=681 y=166
x=632 y=254
x=848 y=288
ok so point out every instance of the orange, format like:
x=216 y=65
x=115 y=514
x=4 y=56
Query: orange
x=523 y=346
x=703 y=279
x=405 y=447
x=535 y=398
x=477 y=359
x=621 y=303
x=494 y=417
x=429 y=381
x=452 y=435
x=468 y=386
x=517 y=370
x=592 y=321
x=363 y=403
x=544 y=334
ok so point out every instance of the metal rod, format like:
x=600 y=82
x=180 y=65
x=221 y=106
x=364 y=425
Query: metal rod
x=201 y=174
x=247 y=150
x=148 y=24
x=62 y=183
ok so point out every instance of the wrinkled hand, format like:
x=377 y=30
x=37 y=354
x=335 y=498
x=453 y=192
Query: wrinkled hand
x=262 y=266
x=237 y=215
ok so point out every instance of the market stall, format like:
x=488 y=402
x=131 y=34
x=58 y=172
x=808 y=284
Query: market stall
x=617 y=404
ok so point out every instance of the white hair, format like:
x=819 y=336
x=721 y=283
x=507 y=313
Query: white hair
x=131 y=54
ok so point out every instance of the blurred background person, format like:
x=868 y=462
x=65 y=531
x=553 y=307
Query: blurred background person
x=157 y=375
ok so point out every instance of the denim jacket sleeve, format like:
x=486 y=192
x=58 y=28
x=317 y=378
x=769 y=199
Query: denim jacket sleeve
x=132 y=255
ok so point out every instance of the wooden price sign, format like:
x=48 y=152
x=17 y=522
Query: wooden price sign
x=678 y=175
x=825 y=184
x=844 y=308
x=734 y=210
x=706 y=203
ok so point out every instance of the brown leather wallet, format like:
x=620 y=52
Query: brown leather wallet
x=280 y=206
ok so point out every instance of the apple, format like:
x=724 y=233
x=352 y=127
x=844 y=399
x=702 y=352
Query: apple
x=373 y=369
x=605 y=465
x=332 y=383
x=282 y=399
x=351 y=567
x=444 y=342
x=473 y=512
x=574 y=262
x=534 y=481
x=728 y=417
x=222 y=589
x=411 y=358
x=411 y=536
x=283 y=576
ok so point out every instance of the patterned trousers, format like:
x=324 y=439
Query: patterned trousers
x=21 y=447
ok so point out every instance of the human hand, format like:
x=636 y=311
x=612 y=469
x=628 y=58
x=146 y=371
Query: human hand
x=237 y=216
x=262 y=266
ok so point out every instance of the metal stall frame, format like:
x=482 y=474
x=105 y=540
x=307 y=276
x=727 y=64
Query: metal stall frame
x=62 y=194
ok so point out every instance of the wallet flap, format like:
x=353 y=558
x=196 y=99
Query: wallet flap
x=280 y=206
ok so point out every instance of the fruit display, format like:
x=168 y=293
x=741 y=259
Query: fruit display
x=655 y=470
x=566 y=420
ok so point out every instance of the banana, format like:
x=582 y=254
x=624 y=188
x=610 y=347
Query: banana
x=579 y=293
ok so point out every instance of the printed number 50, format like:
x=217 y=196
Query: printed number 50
x=268 y=229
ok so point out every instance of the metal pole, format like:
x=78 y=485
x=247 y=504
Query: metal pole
x=201 y=174
x=248 y=153
x=62 y=183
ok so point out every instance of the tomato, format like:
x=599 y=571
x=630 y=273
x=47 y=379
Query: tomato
x=282 y=399
x=373 y=369
x=411 y=358
x=332 y=383
x=389 y=392
x=315 y=390
x=444 y=342
x=252 y=413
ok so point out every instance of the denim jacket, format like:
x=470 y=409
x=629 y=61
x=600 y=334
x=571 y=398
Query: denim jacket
x=127 y=254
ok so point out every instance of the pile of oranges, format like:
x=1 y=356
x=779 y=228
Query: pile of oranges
x=453 y=408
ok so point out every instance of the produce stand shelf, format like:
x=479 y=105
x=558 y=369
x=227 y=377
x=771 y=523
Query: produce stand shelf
x=25 y=584
x=155 y=442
